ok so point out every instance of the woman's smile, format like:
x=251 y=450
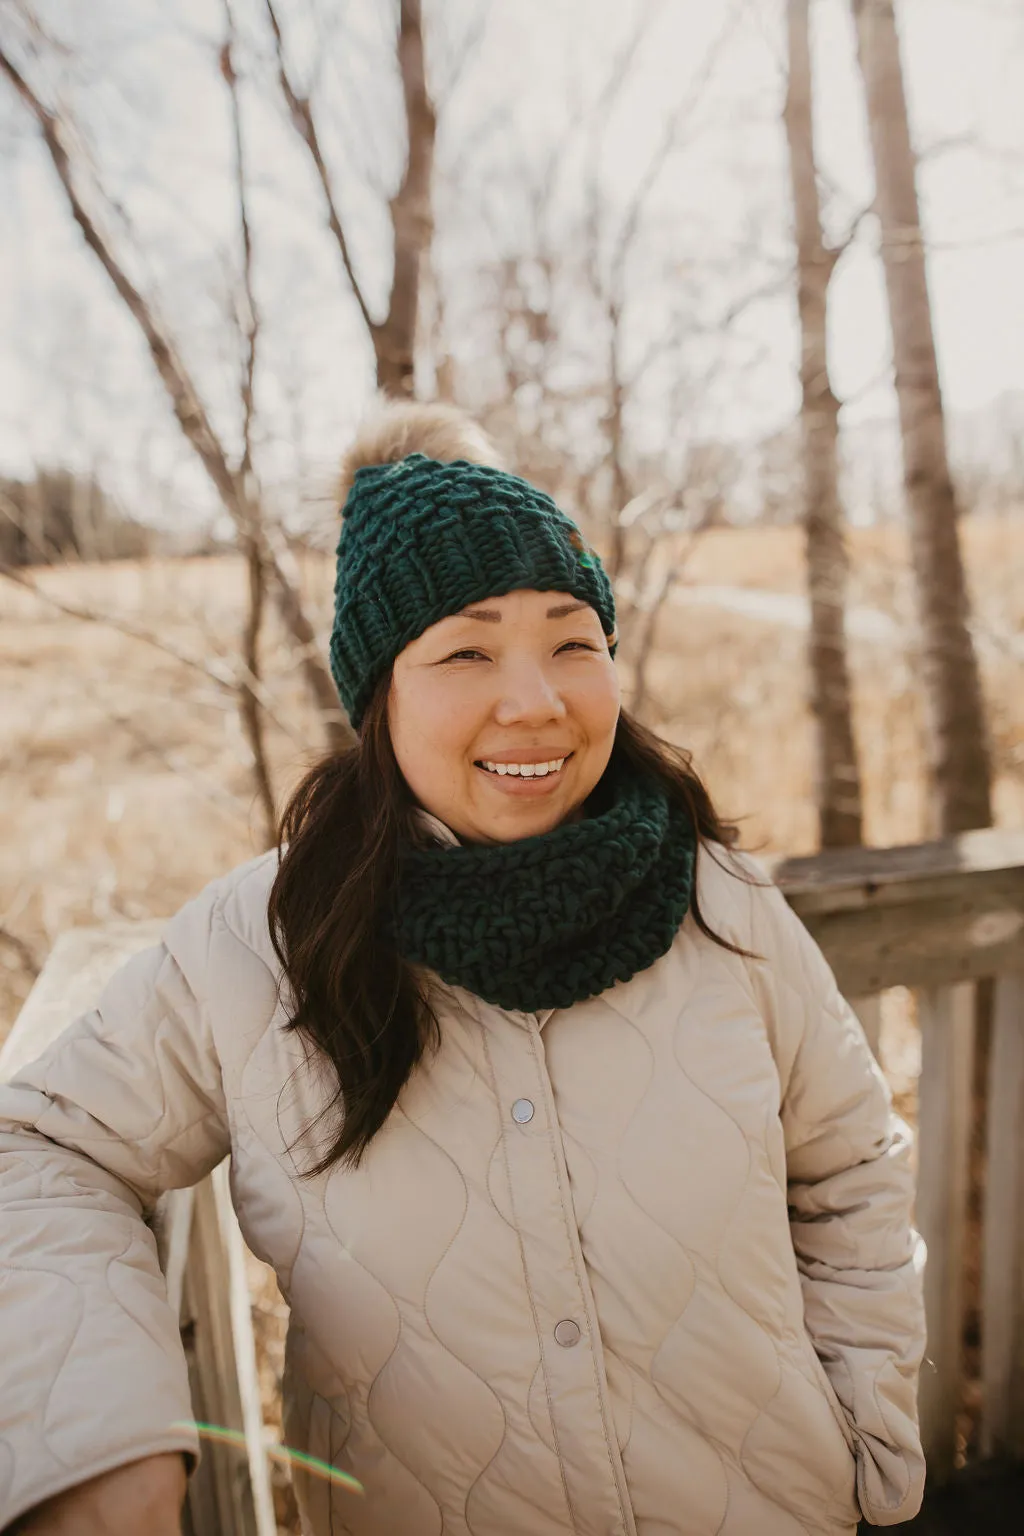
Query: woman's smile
x=525 y=775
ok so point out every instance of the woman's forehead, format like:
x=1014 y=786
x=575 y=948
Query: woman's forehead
x=512 y=609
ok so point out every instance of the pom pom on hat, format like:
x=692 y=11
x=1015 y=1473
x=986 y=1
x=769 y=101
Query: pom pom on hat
x=397 y=428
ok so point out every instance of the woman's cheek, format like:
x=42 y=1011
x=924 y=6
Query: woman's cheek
x=599 y=696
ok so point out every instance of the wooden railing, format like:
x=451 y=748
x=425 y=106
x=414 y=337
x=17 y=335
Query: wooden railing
x=938 y=918
x=935 y=917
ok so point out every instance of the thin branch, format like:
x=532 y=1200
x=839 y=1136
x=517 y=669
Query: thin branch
x=672 y=575
x=251 y=323
x=225 y=674
x=670 y=141
x=192 y=417
x=26 y=955
x=771 y=288
x=188 y=409
x=947 y=144
x=470 y=45
x=248 y=700
x=301 y=112
x=842 y=245
x=208 y=788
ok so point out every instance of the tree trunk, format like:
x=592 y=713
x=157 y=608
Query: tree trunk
x=957 y=735
x=960 y=766
x=394 y=341
x=838 y=776
x=249 y=702
x=411 y=208
x=616 y=443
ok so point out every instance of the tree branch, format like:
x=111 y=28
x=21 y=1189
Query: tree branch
x=26 y=955
x=248 y=698
x=301 y=112
x=411 y=210
x=187 y=407
x=224 y=673
x=670 y=141
x=190 y=414
x=842 y=245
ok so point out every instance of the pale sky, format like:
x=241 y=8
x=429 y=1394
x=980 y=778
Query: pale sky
x=75 y=384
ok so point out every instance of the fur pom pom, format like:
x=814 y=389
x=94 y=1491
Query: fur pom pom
x=397 y=428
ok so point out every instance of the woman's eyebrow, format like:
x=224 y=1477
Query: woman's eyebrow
x=493 y=615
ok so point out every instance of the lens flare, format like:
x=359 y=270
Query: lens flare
x=283 y=1453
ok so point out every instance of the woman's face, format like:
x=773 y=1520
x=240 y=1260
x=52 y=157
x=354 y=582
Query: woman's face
x=502 y=717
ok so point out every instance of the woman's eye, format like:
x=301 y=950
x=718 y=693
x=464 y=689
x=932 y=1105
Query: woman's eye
x=472 y=655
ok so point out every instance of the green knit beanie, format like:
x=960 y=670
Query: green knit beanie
x=422 y=539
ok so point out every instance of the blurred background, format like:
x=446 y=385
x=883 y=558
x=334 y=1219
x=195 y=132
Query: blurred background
x=739 y=283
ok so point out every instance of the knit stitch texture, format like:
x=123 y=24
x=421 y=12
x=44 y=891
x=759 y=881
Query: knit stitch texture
x=422 y=539
x=548 y=921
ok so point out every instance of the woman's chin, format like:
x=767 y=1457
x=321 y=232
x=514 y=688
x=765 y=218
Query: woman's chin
x=521 y=818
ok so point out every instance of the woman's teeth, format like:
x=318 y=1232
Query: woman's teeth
x=526 y=770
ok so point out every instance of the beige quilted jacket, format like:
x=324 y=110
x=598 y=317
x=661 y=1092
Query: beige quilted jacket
x=640 y=1266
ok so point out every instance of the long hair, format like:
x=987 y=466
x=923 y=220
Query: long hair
x=355 y=1000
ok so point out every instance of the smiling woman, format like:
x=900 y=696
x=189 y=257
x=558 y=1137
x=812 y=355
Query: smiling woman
x=574 y=1167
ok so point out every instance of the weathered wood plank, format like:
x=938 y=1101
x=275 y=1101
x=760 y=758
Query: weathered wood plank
x=931 y=914
x=843 y=877
x=77 y=969
x=925 y=943
x=201 y=1251
x=946 y=1017
x=1003 y=1273
x=247 y=1376
x=220 y=1496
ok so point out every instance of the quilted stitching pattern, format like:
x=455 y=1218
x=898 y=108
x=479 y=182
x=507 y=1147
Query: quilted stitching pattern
x=711 y=1179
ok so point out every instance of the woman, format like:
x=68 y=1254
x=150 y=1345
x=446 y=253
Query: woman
x=575 y=1169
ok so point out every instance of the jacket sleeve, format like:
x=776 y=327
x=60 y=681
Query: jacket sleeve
x=126 y=1103
x=850 y=1191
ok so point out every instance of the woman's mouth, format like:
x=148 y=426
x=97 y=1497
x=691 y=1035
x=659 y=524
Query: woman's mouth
x=523 y=778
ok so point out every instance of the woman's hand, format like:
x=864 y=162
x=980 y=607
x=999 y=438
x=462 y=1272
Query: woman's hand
x=143 y=1496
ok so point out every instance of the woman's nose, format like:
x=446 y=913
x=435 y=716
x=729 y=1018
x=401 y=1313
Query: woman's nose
x=528 y=694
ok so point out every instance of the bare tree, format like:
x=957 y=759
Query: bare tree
x=610 y=250
x=572 y=361
x=192 y=416
x=957 y=740
x=411 y=208
x=957 y=734
x=838 y=774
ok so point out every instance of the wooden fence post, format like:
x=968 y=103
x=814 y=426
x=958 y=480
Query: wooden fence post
x=946 y=1017
x=1002 y=1358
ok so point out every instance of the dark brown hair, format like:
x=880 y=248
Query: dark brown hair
x=355 y=1000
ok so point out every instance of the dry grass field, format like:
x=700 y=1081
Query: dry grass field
x=127 y=783
x=126 y=778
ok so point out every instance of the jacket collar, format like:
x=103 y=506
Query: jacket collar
x=436 y=829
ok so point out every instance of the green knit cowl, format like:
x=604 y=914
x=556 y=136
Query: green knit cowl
x=548 y=921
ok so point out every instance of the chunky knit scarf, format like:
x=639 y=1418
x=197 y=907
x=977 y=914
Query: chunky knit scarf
x=548 y=921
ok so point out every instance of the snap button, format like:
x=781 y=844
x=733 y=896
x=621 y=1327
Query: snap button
x=567 y=1333
x=522 y=1111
